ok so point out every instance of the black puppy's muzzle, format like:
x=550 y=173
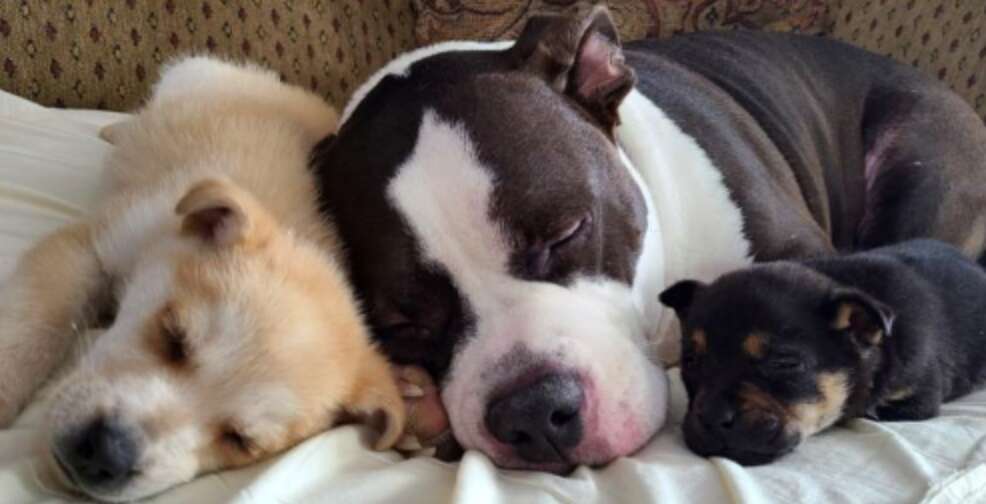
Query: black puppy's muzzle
x=719 y=428
x=100 y=456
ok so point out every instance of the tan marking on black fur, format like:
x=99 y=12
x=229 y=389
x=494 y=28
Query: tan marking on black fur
x=900 y=394
x=842 y=317
x=849 y=316
x=754 y=404
x=814 y=416
x=700 y=341
x=755 y=345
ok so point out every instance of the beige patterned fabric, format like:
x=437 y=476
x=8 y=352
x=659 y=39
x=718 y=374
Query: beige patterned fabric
x=499 y=19
x=945 y=38
x=105 y=53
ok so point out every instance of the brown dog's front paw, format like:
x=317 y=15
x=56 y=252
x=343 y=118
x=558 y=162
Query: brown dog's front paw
x=427 y=421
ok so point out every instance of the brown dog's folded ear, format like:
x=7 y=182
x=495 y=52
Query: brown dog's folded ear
x=377 y=401
x=219 y=213
x=867 y=319
x=679 y=296
x=579 y=55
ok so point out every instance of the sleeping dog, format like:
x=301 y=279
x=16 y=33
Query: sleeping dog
x=777 y=352
x=235 y=335
x=512 y=210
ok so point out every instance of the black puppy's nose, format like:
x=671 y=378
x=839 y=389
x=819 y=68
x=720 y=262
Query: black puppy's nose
x=102 y=454
x=541 y=421
x=718 y=416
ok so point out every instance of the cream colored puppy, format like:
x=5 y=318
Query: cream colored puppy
x=235 y=333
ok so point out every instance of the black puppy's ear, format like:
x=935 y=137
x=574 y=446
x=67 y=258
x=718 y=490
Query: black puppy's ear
x=679 y=296
x=578 y=54
x=867 y=319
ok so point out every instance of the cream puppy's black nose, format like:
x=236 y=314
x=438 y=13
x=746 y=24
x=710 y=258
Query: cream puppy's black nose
x=101 y=455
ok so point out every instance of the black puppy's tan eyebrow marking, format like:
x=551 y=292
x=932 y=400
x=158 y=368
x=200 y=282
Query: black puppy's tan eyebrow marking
x=699 y=341
x=755 y=345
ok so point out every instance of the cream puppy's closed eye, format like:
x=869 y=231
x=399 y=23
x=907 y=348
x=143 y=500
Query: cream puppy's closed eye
x=236 y=334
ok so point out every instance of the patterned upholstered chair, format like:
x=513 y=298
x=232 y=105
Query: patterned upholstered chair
x=98 y=54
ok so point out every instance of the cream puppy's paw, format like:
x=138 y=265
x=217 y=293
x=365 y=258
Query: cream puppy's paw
x=427 y=421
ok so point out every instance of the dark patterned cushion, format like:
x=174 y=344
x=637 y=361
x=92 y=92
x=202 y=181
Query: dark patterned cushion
x=946 y=38
x=105 y=54
x=498 y=19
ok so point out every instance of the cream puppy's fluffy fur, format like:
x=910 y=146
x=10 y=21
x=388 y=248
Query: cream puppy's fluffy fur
x=236 y=334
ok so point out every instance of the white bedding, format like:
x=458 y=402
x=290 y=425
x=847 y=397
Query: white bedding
x=49 y=167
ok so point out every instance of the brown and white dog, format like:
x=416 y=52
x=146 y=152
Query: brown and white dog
x=513 y=210
x=235 y=334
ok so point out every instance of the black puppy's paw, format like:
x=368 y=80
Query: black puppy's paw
x=913 y=408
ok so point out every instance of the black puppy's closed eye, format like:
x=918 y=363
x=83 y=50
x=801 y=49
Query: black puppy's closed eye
x=784 y=364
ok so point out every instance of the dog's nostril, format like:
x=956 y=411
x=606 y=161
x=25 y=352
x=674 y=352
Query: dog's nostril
x=560 y=418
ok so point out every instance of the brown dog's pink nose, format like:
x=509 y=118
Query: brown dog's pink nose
x=541 y=421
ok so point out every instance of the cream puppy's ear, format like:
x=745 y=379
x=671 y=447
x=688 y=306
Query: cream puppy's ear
x=377 y=401
x=219 y=213
x=112 y=133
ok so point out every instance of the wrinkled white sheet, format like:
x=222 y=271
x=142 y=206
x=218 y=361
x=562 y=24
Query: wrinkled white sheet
x=49 y=167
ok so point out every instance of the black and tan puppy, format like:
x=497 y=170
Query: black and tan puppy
x=777 y=352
